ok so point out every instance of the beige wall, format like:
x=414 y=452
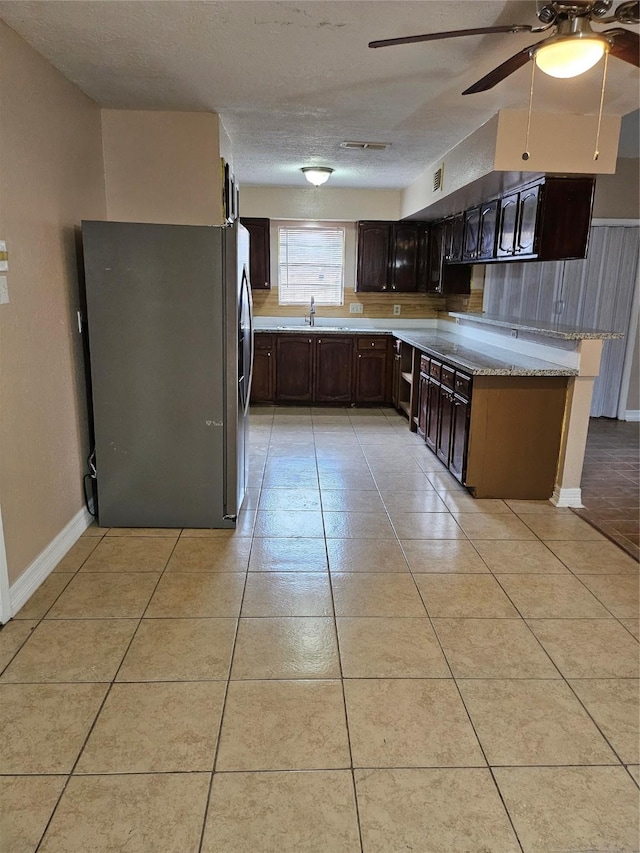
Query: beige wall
x=618 y=196
x=51 y=177
x=327 y=203
x=163 y=167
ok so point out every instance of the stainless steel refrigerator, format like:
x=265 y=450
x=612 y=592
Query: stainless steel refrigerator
x=170 y=343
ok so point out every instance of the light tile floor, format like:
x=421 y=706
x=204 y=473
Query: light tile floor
x=371 y=662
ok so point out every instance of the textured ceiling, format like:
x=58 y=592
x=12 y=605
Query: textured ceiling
x=291 y=80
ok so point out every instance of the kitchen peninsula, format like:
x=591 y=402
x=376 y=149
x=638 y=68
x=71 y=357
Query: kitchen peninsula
x=504 y=405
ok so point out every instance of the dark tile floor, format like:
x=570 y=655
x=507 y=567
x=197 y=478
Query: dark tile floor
x=610 y=481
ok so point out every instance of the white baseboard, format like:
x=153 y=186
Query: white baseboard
x=632 y=415
x=567 y=497
x=47 y=560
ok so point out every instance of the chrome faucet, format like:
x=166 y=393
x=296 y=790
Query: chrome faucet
x=312 y=312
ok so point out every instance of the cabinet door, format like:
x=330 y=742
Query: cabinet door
x=487 y=236
x=395 y=380
x=262 y=384
x=371 y=377
x=403 y=266
x=433 y=412
x=333 y=369
x=423 y=400
x=259 y=252
x=527 y=216
x=294 y=368
x=507 y=226
x=434 y=281
x=445 y=423
x=424 y=260
x=471 y=234
x=457 y=237
x=372 y=271
x=459 y=434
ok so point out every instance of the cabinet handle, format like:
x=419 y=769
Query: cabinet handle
x=269 y=354
x=266 y=284
x=372 y=343
x=310 y=340
x=359 y=356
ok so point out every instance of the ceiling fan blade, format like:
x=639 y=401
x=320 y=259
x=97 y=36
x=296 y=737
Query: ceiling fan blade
x=625 y=45
x=451 y=34
x=504 y=70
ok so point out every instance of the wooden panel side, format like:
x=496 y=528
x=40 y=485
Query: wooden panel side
x=516 y=426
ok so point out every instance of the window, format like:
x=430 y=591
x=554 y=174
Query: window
x=310 y=263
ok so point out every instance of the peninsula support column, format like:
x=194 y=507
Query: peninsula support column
x=567 y=490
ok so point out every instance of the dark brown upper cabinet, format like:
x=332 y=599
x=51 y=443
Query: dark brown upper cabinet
x=546 y=221
x=372 y=272
x=444 y=277
x=259 y=252
x=488 y=230
x=392 y=257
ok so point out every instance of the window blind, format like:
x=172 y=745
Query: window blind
x=310 y=263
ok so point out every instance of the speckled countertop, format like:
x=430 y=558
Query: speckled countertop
x=476 y=358
x=481 y=359
x=547 y=330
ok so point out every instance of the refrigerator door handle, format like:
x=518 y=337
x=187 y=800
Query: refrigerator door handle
x=246 y=312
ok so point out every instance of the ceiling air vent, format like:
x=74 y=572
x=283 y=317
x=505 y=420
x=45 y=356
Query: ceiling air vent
x=438 y=177
x=365 y=146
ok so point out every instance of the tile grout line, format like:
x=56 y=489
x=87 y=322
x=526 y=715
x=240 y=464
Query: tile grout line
x=102 y=704
x=342 y=686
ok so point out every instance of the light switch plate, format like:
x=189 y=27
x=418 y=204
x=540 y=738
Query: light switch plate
x=4 y=258
x=4 y=290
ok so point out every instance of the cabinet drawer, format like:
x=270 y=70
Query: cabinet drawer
x=446 y=376
x=262 y=341
x=424 y=363
x=462 y=385
x=434 y=369
x=378 y=342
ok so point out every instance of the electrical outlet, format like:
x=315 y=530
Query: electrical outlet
x=396 y=310
x=356 y=308
x=4 y=290
x=4 y=257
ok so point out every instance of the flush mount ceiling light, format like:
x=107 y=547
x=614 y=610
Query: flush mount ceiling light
x=317 y=175
x=569 y=56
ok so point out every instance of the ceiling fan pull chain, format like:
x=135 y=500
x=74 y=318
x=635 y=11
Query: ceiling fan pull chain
x=525 y=154
x=596 y=153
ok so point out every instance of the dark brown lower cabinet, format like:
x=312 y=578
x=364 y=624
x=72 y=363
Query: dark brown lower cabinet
x=333 y=370
x=445 y=423
x=262 y=383
x=294 y=369
x=371 y=371
x=423 y=400
x=395 y=379
x=317 y=368
x=459 y=437
x=433 y=408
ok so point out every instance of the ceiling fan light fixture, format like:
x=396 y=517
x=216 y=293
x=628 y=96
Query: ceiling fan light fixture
x=317 y=175
x=570 y=56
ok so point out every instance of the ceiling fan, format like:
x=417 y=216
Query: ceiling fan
x=571 y=50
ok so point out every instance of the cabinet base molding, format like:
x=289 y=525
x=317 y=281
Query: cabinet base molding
x=566 y=497
x=632 y=415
